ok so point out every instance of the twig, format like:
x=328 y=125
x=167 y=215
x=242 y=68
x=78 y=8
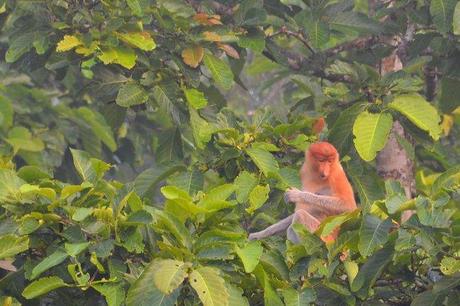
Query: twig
x=296 y=35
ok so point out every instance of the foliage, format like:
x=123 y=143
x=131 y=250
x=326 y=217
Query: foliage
x=131 y=172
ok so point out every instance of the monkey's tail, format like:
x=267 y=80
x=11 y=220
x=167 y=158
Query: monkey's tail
x=273 y=229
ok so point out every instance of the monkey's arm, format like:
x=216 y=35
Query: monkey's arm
x=272 y=229
x=331 y=205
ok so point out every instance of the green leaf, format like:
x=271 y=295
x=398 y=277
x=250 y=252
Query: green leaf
x=355 y=21
x=368 y=186
x=9 y=185
x=168 y=274
x=131 y=94
x=293 y=297
x=352 y=269
x=73 y=249
x=174 y=226
x=6 y=112
x=209 y=286
x=257 y=197
x=123 y=56
x=340 y=134
x=236 y=297
x=195 y=98
x=371 y=270
x=89 y=169
x=330 y=223
x=456 y=20
x=21 y=139
x=221 y=72
x=420 y=112
x=442 y=12
x=371 y=133
x=244 y=183
x=202 y=130
x=98 y=126
x=114 y=293
x=190 y=181
x=53 y=260
x=42 y=286
x=450 y=265
x=318 y=33
x=146 y=182
x=250 y=255
x=264 y=160
x=18 y=46
x=11 y=245
x=450 y=90
x=254 y=40
x=144 y=293
x=140 y=40
x=373 y=233
x=449 y=179
x=135 y=7
x=270 y=296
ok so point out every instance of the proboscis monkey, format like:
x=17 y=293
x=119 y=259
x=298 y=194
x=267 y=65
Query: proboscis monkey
x=326 y=192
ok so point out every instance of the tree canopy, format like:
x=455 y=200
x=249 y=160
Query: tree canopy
x=142 y=140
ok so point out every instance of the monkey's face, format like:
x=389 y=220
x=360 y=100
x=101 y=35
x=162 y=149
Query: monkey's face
x=323 y=167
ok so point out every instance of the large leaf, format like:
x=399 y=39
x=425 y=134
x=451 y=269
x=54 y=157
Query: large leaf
x=340 y=134
x=318 y=33
x=131 y=94
x=355 y=21
x=250 y=255
x=144 y=293
x=420 y=112
x=146 y=182
x=202 y=130
x=293 y=297
x=53 y=260
x=42 y=286
x=11 y=245
x=21 y=139
x=19 y=45
x=244 y=183
x=98 y=126
x=371 y=133
x=257 y=197
x=193 y=56
x=90 y=169
x=210 y=286
x=221 y=72
x=141 y=40
x=168 y=274
x=442 y=12
x=124 y=56
x=9 y=185
x=195 y=98
x=114 y=293
x=174 y=226
x=236 y=297
x=370 y=271
x=264 y=160
x=373 y=233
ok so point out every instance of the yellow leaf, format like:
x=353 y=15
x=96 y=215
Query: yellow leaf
x=206 y=19
x=446 y=124
x=85 y=51
x=211 y=36
x=141 y=40
x=193 y=56
x=68 y=43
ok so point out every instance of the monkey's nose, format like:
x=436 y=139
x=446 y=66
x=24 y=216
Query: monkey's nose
x=322 y=175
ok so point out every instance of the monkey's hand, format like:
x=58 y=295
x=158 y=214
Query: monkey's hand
x=293 y=195
x=254 y=236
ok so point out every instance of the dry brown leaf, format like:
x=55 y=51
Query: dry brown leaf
x=193 y=56
x=229 y=50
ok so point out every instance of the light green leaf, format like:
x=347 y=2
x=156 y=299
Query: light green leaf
x=9 y=185
x=244 y=183
x=141 y=40
x=264 y=160
x=257 y=197
x=6 y=112
x=99 y=126
x=89 y=169
x=195 y=98
x=254 y=40
x=250 y=255
x=21 y=139
x=221 y=72
x=442 y=12
x=168 y=274
x=144 y=293
x=371 y=133
x=135 y=7
x=373 y=233
x=420 y=112
x=53 y=260
x=236 y=297
x=124 y=56
x=73 y=249
x=202 y=130
x=42 y=286
x=456 y=20
x=114 y=293
x=318 y=33
x=210 y=286
x=293 y=297
x=351 y=268
x=131 y=94
x=332 y=222
x=173 y=225
x=11 y=245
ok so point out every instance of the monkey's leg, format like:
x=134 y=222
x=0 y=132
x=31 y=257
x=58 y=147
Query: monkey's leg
x=302 y=217
x=272 y=229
